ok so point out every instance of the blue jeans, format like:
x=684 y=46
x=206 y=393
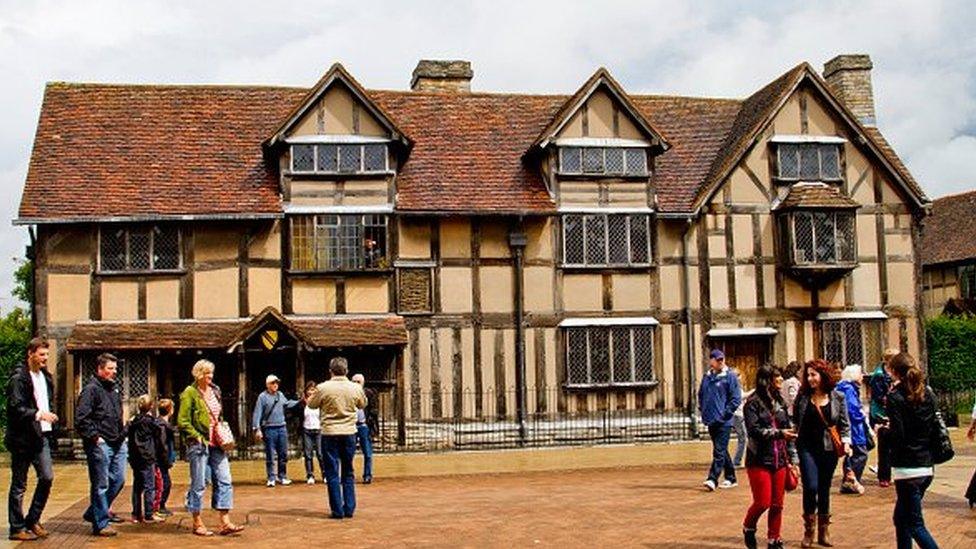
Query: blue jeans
x=721 y=461
x=106 y=472
x=339 y=451
x=202 y=457
x=817 y=474
x=143 y=491
x=909 y=524
x=857 y=461
x=739 y=426
x=275 y=446
x=19 y=464
x=366 y=446
x=312 y=449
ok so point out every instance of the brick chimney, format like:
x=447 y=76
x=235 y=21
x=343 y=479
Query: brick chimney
x=849 y=78
x=442 y=75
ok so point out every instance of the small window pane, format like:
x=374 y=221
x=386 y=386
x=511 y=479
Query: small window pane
x=573 y=239
x=639 y=242
x=596 y=252
x=350 y=157
x=569 y=160
x=576 y=368
x=789 y=163
x=636 y=162
x=375 y=158
x=829 y=162
x=599 y=355
x=112 y=249
x=328 y=158
x=621 y=354
x=853 y=343
x=166 y=248
x=803 y=237
x=809 y=163
x=374 y=228
x=303 y=158
x=833 y=342
x=139 y=249
x=643 y=353
x=615 y=161
x=846 y=238
x=593 y=160
x=823 y=227
x=618 y=240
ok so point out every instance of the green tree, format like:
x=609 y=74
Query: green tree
x=24 y=282
x=15 y=332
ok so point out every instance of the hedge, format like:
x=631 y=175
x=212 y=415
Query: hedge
x=952 y=353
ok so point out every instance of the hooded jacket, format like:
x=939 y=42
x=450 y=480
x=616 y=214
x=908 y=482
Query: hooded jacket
x=99 y=412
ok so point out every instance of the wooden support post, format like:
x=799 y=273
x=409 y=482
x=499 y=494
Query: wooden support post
x=399 y=403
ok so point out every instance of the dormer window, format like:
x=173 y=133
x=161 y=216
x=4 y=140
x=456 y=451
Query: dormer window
x=339 y=158
x=808 y=158
x=603 y=161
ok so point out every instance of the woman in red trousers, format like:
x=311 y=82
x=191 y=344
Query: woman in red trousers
x=770 y=452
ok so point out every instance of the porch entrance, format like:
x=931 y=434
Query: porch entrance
x=746 y=353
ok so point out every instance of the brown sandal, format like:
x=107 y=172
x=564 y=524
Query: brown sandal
x=231 y=529
x=202 y=531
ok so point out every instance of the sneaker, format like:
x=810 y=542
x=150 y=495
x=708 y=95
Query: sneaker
x=106 y=532
x=367 y=480
x=115 y=519
x=310 y=480
x=709 y=485
x=271 y=484
x=38 y=530
x=884 y=483
x=726 y=484
x=164 y=513
x=873 y=469
x=23 y=535
x=284 y=482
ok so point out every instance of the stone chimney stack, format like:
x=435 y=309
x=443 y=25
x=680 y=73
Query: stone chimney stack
x=849 y=78
x=442 y=75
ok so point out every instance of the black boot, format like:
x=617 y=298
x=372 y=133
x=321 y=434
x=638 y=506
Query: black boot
x=749 y=536
x=775 y=544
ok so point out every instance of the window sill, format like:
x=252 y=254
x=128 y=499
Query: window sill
x=340 y=175
x=607 y=268
x=585 y=387
x=785 y=181
x=358 y=272
x=585 y=176
x=823 y=266
x=160 y=272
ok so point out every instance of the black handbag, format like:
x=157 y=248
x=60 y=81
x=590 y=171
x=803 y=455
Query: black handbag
x=941 y=444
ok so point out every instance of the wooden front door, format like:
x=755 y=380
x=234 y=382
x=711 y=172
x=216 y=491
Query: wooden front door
x=746 y=354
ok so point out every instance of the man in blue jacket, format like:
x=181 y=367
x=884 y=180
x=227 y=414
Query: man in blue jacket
x=718 y=398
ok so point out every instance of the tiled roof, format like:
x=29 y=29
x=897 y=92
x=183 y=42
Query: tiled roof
x=949 y=234
x=815 y=195
x=333 y=331
x=145 y=151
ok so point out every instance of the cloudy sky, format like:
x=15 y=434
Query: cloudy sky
x=924 y=56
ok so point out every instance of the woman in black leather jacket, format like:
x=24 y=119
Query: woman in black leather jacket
x=769 y=452
x=911 y=422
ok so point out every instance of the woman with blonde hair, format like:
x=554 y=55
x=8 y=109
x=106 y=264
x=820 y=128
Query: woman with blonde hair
x=198 y=421
x=850 y=386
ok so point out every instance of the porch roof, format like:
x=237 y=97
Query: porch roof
x=319 y=331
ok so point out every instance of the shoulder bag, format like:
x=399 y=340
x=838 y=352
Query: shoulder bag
x=790 y=482
x=940 y=445
x=832 y=431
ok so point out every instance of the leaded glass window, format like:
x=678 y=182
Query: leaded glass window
x=609 y=355
x=349 y=242
x=345 y=158
x=823 y=237
x=631 y=161
x=606 y=240
x=139 y=248
x=809 y=161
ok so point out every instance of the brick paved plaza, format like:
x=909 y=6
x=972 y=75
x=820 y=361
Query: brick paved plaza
x=659 y=505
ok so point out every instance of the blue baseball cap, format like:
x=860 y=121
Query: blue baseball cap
x=717 y=354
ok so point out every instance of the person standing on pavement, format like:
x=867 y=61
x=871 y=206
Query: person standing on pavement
x=339 y=400
x=166 y=457
x=144 y=437
x=268 y=422
x=718 y=398
x=971 y=435
x=911 y=413
x=771 y=450
x=879 y=385
x=312 y=437
x=817 y=410
x=791 y=383
x=363 y=435
x=198 y=420
x=98 y=419
x=850 y=385
x=30 y=399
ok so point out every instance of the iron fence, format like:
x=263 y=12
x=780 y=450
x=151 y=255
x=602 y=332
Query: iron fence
x=956 y=406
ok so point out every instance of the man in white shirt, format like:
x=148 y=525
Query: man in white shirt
x=30 y=398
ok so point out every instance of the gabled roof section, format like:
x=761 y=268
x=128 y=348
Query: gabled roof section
x=816 y=195
x=758 y=111
x=337 y=74
x=600 y=79
x=948 y=234
x=260 y=320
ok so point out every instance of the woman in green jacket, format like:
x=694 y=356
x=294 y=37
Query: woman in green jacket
x=197 y=420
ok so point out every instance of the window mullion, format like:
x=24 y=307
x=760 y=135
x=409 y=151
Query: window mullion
x=610 y=353
x=589 y=364
x=152 y=248
x=606 y=238
x=315 y=158
x=633 y=356
x=630 y=252
x=586 y=234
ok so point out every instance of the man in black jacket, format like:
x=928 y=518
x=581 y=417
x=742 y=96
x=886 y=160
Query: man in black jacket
x=30 y=399
x=99 y=422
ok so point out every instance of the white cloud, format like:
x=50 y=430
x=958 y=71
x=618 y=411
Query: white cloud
x=924 y=54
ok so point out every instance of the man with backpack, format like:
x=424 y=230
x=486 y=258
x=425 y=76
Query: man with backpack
x=270 y=425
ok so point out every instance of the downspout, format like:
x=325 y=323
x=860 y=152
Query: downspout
x=517 y=241
x=689 y=332
x=31 y=253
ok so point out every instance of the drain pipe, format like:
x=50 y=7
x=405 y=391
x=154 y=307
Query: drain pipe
x=689 y=333
x=517 y=241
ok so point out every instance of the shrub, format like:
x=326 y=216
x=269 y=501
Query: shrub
x=952 y=353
